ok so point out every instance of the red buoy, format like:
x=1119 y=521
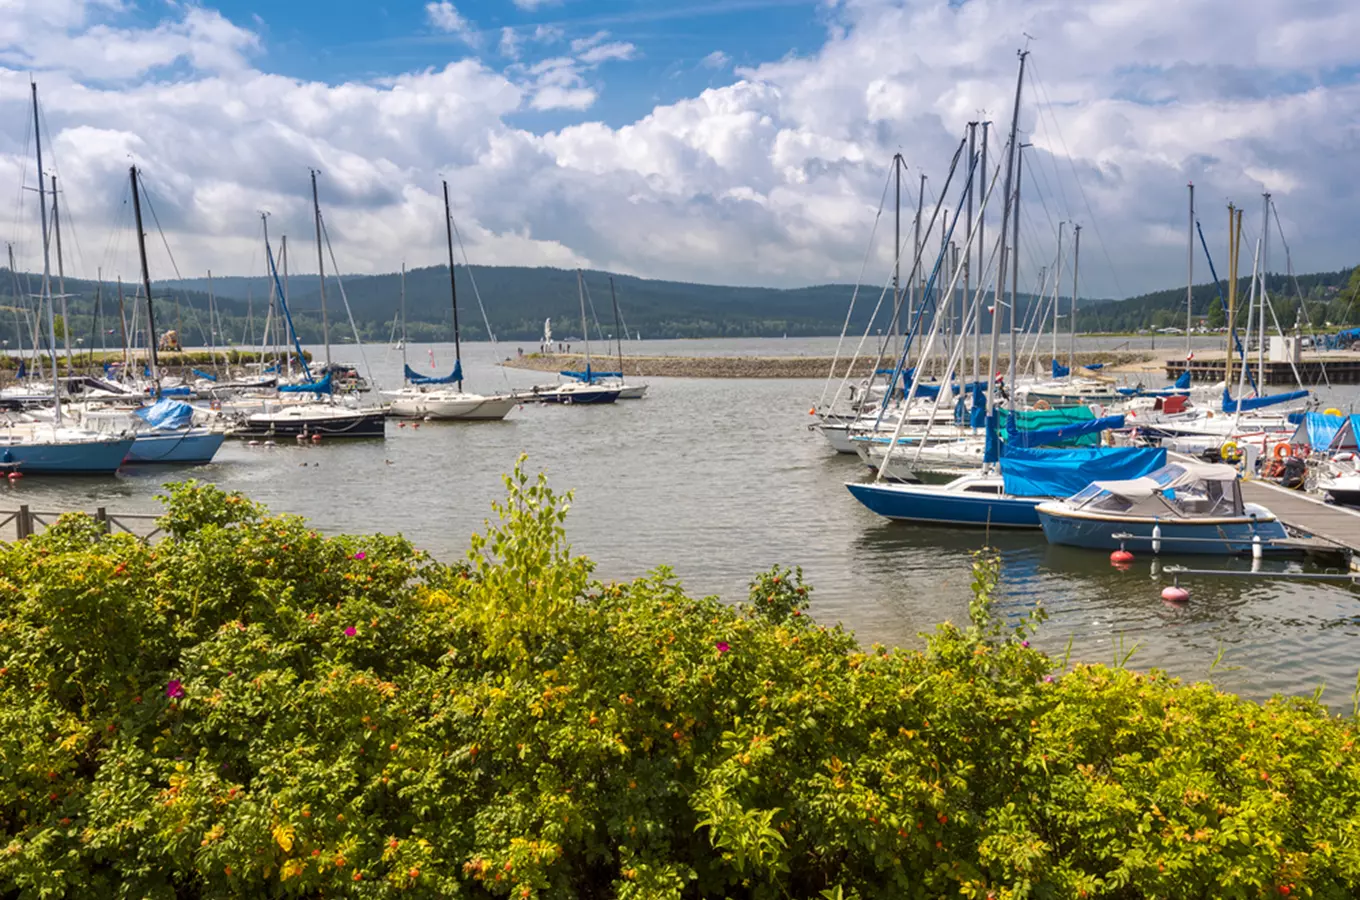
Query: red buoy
x=1121 y=557
x=1175 y=594
x=15 y=476
x=316 y=439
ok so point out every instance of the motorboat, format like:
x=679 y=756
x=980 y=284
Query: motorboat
x=1182 y=508
x=422 y=402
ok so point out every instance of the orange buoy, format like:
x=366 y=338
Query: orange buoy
x=316 y=439
x=1175 y=594
x=1121 y=557
x=15 y=476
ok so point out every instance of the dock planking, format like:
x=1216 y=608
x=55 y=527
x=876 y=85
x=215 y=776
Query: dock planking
x=1336 y=527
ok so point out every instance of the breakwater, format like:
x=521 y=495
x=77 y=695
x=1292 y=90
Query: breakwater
x=787 y=366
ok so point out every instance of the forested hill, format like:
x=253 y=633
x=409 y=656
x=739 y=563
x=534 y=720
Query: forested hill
x=518 y=300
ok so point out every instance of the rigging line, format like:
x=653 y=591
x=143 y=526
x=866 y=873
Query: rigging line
x=1298 y=292
x=335 y=267
x=183 y=295
x=486 y=320
x=1047 y=105
x=68 y=226
x=23 y=189
x=854 y=295
x=1090 y=213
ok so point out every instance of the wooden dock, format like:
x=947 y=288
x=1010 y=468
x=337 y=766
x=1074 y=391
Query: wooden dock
x=1326 y=529
x=1336 y=367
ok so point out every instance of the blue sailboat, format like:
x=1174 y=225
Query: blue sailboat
x=170 y=436
x=584 y=388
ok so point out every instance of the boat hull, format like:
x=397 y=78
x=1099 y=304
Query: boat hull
x=195 y=447
x=356 y=425
x=837 y=434
x=909 y=503
x=633 y=392
x=576 y=398
x=1214 y=537
x=66 y=458
x=474 y=408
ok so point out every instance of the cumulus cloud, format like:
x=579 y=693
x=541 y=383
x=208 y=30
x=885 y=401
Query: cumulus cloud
x=531 y=5
x=716 y=60
x=774 y=178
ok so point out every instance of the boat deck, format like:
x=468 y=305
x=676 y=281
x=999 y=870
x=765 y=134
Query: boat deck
x=1326 y=529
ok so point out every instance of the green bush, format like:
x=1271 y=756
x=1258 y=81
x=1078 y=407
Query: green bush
x=250 y=709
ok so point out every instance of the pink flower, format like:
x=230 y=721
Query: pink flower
x=722 y=647
x=1048 y=679
x=360 y=555
x=174 y=690
x=351 y=631
x=1025 y=644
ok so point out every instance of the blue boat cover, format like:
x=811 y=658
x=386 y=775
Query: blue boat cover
x=1060 y=371
x=416 y=378
x=590 y=375
x=1231 y=406
x=1077 y=434
x=312 y=387
x=167 y=414
x=204 y=375
x=977 y=418
x=1318 y=430
x=177 y=392
x=1062 y=473
x=21 y=372
x=1183 y=381
x=1094 y=367
x=991 y=451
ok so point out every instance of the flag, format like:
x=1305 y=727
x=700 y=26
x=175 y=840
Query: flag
x=1189 y=356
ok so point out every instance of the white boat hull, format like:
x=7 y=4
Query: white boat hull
x=451 y=406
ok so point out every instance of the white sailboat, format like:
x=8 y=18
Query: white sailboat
x=443 y=397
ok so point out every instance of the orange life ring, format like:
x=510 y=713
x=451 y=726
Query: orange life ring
x=1283 y=450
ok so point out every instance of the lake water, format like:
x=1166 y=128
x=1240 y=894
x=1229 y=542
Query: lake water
x=721 y=479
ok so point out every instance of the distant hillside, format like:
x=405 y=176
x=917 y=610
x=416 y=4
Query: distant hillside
x=518 y=300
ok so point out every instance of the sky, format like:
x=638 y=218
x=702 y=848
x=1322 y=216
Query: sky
x=740 y=142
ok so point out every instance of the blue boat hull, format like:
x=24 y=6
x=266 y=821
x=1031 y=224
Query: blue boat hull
x=944 y=508
x=1218 y=538
x=195 y=447
x=86 y=458
x=576 y=398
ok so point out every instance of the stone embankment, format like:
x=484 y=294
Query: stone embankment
x=782 y=366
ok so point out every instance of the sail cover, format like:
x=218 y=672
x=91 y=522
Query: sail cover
x=1061 y=473
x=1075 y=434
x=312 y=387
x=1231 y=406
x=590 y=375
x=167 y=414
x=204 y=375
x=1059 y=370
x=416 y=378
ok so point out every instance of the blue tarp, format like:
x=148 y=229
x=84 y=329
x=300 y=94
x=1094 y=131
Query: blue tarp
x=177 y=392
x=416 y=378
x=167 y=414
x=21 y=372
x=992 y=448
x=1060 y=371
x=204 y=375
x=1231 y=406
x=978 y=417
x=312 y=387
x=1183 y=381
x=1318 y=430
x=1346 y=436
x=1094 y=367
x=1342 y=339
x=1062 y=473
x=1083 y=433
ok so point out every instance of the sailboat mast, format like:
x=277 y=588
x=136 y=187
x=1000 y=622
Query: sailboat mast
x=618 y=334
x=918 y=284
x=585 y=330
x=453 y=289
x=1015 y=253
x=282 y=344
x=1232 y=294
x=982 y=272
x=1265 y=296
x=18 y=302
x=1076 y=268
x=47 y=264
x=1190 y=276
x=321 y=272
x=403 y=320
x=122 y=321
x=1057 y=289
x=61 y=278
x=212 y=320
x=146 y=280
x=897 y=239
x=973 y=176
x=998 y=308
x=98 y=329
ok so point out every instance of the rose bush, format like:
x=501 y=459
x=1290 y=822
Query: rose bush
x=250 y=708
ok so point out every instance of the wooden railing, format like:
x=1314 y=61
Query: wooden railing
x=27 y=522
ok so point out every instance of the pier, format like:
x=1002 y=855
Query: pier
x=1335 y=367
x=1327 y=530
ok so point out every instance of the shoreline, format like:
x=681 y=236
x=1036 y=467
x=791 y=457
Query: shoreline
x=1120 y=361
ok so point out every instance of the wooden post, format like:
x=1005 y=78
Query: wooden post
x=23 y=523
x=101 y=516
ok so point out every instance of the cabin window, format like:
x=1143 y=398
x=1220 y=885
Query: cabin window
x=983 y=489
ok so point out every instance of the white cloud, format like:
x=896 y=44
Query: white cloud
x=772 y=179
x=531 y=5
x=716 y=60
x=510 y=42
x=444 y=16
x=614 y=50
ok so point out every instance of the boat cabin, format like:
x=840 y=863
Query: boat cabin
x=1178 y=490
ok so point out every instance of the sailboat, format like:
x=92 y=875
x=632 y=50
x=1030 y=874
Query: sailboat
x=585 y=389
x=437 y=397
x=317 y=417
x=43 y=448
x=637 y=390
